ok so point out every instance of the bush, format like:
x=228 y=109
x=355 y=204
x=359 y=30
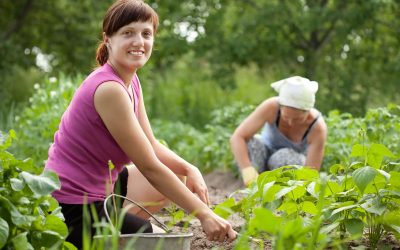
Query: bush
x=29 y=217
x=38 y=122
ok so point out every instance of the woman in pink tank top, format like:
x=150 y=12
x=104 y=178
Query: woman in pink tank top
x=107 y=121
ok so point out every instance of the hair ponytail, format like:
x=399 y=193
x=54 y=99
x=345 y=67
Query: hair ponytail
x=101 y=54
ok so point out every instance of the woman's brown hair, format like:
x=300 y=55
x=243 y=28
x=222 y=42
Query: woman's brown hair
x=121 y=13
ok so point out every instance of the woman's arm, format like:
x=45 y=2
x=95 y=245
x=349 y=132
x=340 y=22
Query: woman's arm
x=316 y=145
x=179 y=166
x=116 y=110
x=248 y=128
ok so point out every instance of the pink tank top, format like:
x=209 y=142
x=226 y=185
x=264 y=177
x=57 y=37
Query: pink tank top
x=83 y=146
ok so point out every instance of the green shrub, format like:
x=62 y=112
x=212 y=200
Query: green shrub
x=40 y=119
x=29 y=217
x=381 y=125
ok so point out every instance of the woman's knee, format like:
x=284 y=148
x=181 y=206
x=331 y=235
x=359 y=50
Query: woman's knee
x=284 y=157
x=258 y=152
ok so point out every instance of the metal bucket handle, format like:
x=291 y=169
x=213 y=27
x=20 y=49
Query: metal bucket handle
x=137 y=204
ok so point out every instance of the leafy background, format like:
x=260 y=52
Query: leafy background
x=212 y=62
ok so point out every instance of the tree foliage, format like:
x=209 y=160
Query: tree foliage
x=349 y=47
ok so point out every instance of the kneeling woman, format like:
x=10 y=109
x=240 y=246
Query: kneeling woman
x=293 y=131
x=106 y=121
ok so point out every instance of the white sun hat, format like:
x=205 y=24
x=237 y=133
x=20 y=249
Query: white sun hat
x=297 y=92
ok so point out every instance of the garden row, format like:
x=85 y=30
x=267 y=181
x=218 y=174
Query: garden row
x=357 y=193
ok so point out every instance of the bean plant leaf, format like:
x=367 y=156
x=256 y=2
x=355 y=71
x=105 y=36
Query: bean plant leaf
x=309 y=207
x=20 y=242
x=298 y=192
x=55 y=224
x=337 y=168
x=391 y=219
x=269 y=195
x=385 y=174
x=69 y=246
x=288 y=207
x=313 y=189
x=16 y=217
x=395 y=179
x=380 y=149
x=307 y=174
x=4 y=232
x=17 y=184
x=354 y=226
x=42 y=184
x=363 y=176
x=374 y=206
x=376 y=154
x=224 y=209
x=265 y=220
x=284 y=191
x=6 y=143
x=332 y=187
x=328 y=228
x=338 y=210
x=358 y=150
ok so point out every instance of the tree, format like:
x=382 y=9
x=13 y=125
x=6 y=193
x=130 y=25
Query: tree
x=335 y=42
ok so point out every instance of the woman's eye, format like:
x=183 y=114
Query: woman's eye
x=147 y=34
x=127 y=32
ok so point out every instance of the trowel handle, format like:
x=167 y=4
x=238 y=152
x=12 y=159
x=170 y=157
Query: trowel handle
x=137 y=204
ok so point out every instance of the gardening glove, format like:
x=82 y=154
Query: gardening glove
x=249 y=175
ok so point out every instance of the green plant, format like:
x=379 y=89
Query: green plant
x=30 y=217
x=37 y=123
x=298 y=207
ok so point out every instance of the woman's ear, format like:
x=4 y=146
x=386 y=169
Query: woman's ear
x=105 y=38
x=106 y=41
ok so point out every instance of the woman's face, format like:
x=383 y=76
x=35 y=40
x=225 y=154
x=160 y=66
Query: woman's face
x=292 y=116
x=131 y=46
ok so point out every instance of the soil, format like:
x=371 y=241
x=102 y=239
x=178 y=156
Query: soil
x=220 y=186
x=223 y=184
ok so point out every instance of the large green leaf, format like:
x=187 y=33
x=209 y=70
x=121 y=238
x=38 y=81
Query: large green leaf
x=374 y=206
x=284 y=191
x=265 y=220
x=358 y=150
x=289 y=207
x=354 y=226
x=309 y=207
x=16 y=217
x=55 y=224
x=42 y=184
x=17 y=184
x=338 y=210
x=20 y=242
x=4 y=232
x=380 y=149
x=48 y=240
x=224 y=209
x=395 y=179
x=269 y=194
x=363 y=176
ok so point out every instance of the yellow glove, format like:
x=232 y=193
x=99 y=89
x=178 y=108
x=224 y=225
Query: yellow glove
x=249 y=175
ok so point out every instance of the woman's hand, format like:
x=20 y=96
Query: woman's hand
x=216 y=228
x=197 y=185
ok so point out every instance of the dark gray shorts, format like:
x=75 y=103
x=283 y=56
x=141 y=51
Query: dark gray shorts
x=263 y=159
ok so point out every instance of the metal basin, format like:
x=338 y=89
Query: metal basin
x=148 y=241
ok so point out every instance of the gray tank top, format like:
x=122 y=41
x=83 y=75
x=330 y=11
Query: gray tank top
x=275 y=140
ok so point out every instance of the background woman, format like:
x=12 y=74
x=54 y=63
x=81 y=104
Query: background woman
x=294 y=132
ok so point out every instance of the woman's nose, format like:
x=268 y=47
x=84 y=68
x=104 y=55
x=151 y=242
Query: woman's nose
x=137 y=40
